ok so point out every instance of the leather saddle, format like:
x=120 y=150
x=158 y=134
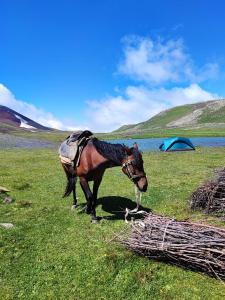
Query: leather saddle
x=70 y=150
x=78 y=135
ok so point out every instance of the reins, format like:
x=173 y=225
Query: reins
x=130 y=174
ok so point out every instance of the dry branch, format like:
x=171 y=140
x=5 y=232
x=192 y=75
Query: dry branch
x=210 y=197
x=190 y=245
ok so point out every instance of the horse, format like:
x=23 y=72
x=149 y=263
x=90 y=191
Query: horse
x=95 y=158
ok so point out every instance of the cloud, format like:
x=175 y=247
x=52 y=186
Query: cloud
x=157 y=62
x=141 y=103
x=30 y=111
x=168 y=78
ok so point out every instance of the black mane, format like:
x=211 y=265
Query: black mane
x=113 y=152
x=138 y=159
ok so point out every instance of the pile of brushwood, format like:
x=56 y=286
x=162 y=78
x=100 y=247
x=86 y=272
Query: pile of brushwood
x=190 y=245
x=210 y=197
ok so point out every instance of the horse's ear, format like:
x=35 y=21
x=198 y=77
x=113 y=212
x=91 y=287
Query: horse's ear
x=135 y=145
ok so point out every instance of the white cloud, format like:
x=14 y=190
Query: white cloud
x=158 y=62
x=157 y=65
x=139 y=104
x=30 y=111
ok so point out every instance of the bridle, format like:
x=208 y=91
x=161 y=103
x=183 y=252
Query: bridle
x=127 y=164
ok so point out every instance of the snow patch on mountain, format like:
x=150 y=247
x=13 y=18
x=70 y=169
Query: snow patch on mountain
x=23 y=123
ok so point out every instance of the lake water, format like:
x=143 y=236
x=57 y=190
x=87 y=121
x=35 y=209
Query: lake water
x=152 y=144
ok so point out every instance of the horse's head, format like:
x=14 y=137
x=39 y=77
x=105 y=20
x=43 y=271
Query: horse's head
x=133 y=167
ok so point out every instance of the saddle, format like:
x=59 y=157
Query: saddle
x=70 y=150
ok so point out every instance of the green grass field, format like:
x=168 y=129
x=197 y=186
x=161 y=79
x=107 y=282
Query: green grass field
x=55 y=253
x=163 y=133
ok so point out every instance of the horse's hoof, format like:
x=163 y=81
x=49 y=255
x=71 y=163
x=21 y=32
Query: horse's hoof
x=94 y=221
x=74 y=207
x=88 y=210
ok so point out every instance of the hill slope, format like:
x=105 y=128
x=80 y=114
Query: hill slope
x=204 y=115
x=13 y=118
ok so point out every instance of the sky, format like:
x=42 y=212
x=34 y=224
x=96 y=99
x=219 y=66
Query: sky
x=100 y=64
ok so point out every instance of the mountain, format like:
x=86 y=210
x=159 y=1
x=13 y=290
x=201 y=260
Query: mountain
x=210 y=114
x=14 y=119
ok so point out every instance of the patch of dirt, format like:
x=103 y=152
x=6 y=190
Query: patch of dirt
x=189 y=119
x=192 y=118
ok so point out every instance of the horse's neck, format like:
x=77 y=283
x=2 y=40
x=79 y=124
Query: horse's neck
x=113 y=163
x=114 y=154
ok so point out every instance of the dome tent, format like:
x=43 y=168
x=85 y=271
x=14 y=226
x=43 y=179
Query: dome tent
x=176 y=144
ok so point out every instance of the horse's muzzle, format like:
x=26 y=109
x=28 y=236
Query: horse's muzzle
x=142 y=184
x=144 y=189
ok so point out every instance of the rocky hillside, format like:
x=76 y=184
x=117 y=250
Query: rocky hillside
x=210 y=114
x=13 y=118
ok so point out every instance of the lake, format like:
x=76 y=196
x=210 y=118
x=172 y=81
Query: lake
x=152 y=144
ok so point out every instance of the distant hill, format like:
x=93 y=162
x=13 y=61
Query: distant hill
x=9 y=117
x=210 y=114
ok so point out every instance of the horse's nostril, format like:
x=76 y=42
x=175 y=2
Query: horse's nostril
x=145 y=188
x=142 y=188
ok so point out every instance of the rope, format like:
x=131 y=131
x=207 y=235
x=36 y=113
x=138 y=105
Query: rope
x=135 y=210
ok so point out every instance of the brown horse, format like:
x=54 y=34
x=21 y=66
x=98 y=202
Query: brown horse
x=96 y=157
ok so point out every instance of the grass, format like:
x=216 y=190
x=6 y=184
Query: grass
x=59 y=136
x=55 y=253
x=209 y=116
x=186 y=132
x=209 y=123
x=53 y=136
x=161 y=120
x=168 y=116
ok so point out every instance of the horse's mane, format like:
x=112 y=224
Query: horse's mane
x=113 y=152
x=138 y=159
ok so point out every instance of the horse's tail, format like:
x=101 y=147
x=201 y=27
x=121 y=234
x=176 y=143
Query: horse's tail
x=71 y=179
x=69 y=187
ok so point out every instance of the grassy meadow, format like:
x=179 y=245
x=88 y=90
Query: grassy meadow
x=167 y=132
x=55 y=253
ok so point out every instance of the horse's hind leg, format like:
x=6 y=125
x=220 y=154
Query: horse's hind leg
x=96 y=185
x=88 y=194
x=74 y=195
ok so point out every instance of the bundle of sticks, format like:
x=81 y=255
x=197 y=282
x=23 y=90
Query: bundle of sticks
x=210 y=197
x=190 y=245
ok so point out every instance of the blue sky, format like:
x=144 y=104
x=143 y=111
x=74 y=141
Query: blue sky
x=102 y=64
